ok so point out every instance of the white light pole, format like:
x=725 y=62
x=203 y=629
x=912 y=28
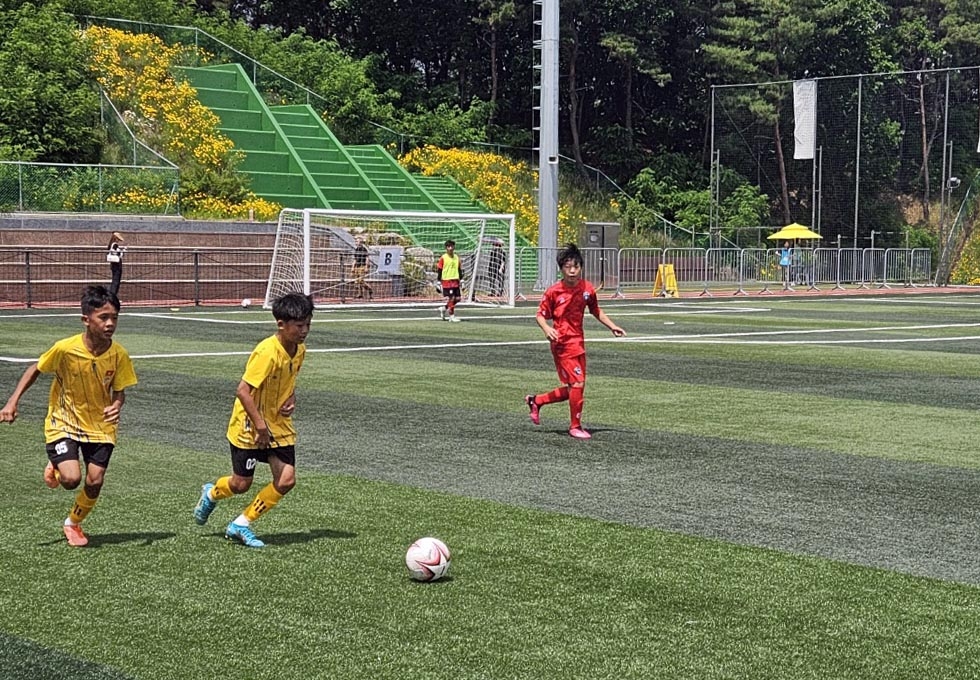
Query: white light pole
x=548 y=146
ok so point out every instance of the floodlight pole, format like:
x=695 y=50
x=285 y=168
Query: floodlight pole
x=548 y=147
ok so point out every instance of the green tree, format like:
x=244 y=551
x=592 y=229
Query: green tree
x=446 y=125
x=633 y=36
x=782 y=40
x=49 y=110
x=352 y=106
x=961 y=23
x=916 y=43
x=675 y=188
x=493 y=17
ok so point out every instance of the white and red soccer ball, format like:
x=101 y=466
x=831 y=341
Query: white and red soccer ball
x=428 y=559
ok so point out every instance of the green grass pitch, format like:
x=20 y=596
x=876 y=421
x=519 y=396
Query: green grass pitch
x=776 y=488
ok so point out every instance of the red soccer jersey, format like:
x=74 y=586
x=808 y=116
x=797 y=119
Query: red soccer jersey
x=565 y=306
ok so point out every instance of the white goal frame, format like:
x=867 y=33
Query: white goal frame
x=314 y=253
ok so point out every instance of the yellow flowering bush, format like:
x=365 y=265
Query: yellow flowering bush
x=502 y=184
x=200 y=205
x=136 y=72
x=967 y=269
x=138 y=200
x=196 y=205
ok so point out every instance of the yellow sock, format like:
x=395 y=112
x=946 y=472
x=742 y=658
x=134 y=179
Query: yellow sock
x=263 y=502
x=221 y=489
x=83 y=505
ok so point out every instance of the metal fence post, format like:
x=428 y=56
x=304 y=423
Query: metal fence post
x=197 y=278
x=27 y=278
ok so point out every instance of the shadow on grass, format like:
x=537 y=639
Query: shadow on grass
x=22 y=659
x=99 y=540
x=291 y=537
x=563 y=433
x=445 y=580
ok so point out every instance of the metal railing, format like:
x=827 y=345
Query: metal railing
x=710 y=271
x=60 y=187
x=54 y=275
x=39 y=276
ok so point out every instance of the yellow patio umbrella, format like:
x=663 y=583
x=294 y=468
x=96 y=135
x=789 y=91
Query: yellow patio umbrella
x=794 y=232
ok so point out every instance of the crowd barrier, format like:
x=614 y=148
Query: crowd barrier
x=741 y=271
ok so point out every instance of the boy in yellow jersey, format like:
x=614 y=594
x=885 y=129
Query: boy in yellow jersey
x=261 y=426
x=91 y=374
x=449 y=271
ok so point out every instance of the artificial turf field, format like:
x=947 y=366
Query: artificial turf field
x=776 y=488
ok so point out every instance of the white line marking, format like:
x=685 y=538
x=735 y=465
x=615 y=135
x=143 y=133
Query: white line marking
x=747 y=337
x=465 y=317
x=802 y=331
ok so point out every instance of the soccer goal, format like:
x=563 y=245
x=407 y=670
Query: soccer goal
x=316 y=253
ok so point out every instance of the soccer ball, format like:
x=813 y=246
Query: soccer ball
x=246 y=303
x=427 y=559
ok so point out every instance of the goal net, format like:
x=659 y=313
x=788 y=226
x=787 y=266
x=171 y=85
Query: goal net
x=317 y=253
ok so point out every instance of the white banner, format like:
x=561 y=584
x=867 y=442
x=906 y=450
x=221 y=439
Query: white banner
x=805 y=114
x=389 y=259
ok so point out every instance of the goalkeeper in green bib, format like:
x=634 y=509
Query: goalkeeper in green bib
x=450 y=272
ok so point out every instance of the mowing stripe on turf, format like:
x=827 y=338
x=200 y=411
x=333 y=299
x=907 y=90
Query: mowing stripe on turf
x=731 y=338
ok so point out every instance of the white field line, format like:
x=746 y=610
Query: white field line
x=749 y=337
x=959 y=300
x=703 y=337
x=320 y=319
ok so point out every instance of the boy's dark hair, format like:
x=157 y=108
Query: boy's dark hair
x=94 y=297
x=450 y=242
x=570 y=252
x=292 y=307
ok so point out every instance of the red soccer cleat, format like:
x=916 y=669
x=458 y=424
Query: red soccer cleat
x=579 y=433
x=76 y=537
x=535 y=409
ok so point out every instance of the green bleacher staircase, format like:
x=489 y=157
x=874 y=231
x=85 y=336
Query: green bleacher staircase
x=342 y=181
x=449 y=194
x=293 y=158
x=402 y=190
x=275 y=170
x=290 y=155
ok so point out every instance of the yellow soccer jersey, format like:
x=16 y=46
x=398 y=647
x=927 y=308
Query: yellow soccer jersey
x=82 y=388
x=272 y=374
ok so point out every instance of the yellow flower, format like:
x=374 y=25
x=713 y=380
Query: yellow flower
x=502 y=184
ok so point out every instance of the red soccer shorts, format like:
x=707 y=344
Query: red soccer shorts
x=570 y=369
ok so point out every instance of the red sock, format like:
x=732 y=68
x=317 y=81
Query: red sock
x=451 y=306
x=576 y=397
x=557 y=394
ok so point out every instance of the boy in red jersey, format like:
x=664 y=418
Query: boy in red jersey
x=91 y=373
x=564 y=304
